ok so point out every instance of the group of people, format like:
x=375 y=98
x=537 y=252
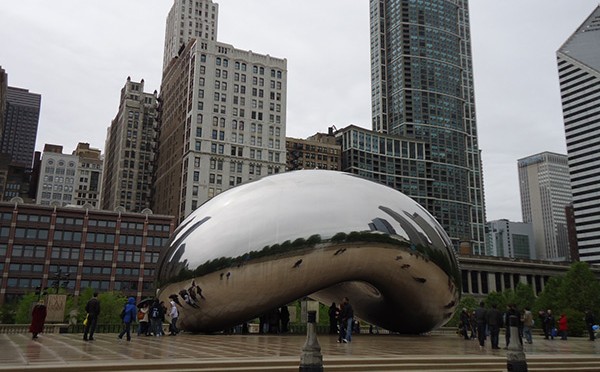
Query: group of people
x=275 y=321
x=150 y=317
x=489 y=321
x=342 y=317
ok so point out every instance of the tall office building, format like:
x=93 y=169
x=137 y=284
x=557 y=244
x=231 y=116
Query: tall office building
x=545 y=192
x=129 y=150
x=510 y=239
x=21 y=118
x=187 y=20
x=221 y=118
x=3 y=87
x=422 y=89
x=579 y=74
x=70 y=179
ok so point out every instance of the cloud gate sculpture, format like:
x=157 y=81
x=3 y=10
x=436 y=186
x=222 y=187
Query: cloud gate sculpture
x=316 y=233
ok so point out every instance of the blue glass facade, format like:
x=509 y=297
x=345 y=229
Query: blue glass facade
x=422 y=89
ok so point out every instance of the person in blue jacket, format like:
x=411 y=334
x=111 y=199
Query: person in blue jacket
x=129 y=315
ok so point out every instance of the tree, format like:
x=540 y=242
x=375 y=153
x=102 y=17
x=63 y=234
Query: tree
x=523 y=296
x=573 y=294
x=111 y=304
x=466 y=302
x=579 y=290
x=496 y=298
x=549 y=297
x=24 y=306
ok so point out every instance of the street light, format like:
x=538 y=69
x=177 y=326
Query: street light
x=58 y=276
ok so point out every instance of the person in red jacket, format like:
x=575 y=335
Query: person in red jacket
x=562 y=326
x=38 y=318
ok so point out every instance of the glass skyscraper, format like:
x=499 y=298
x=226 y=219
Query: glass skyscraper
x=579 y=73
x=422 y=89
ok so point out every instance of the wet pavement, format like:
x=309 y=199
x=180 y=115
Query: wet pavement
x=56 y=350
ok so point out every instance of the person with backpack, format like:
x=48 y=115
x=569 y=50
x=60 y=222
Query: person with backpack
x=129 y=314
x=156 y=316
x=143 y=320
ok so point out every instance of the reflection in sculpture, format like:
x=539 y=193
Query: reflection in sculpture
x=322 y=234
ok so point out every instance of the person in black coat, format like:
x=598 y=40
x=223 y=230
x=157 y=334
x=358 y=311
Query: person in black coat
x=464 y=323
x=494 y=322
x=92 y=308
x=549 y=325
x=589 y=323
x=333 y=316
x=284 y=314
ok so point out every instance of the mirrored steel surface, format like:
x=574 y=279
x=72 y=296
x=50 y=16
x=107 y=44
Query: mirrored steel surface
x=316 y=233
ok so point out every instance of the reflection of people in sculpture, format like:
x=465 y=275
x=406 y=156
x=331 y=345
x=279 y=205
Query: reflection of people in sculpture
x=38 y=318
x=333 y=314
x=195 y=291
x=186 y=297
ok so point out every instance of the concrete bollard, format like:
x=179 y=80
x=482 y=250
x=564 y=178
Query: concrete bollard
x=515 y=357
x=311 y=359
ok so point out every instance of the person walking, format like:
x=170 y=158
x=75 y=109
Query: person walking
x=473 y=325
x=464 y=323
x=129 y=316
x=527 y=325
x=511 y=310
x=549 y=325
x=347 y=315
x=481 y=319
x=144 y=320
x=589 y=323
x=494 y=322
x=333 y=314
x=156 y=318
x=38 y=318
x=284 y=313
x=174 y=314
x=92 y=308
x=563 y=326
x=342 y=325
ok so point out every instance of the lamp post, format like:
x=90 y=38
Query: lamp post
x=515 y=357
x=311 y=359
x=58 y=276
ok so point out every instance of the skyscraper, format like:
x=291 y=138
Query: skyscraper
x=21 y=117
x=3 y=87
x=422 y=89
x=579 y=74
x=221 y=115
x=192 y=20
x=129 y=150
x=510 y=239
x=545 y=192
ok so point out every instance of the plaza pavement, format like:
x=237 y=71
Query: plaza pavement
x=189 y=352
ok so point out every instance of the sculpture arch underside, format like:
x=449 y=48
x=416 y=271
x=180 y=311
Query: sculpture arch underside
x=394 y=288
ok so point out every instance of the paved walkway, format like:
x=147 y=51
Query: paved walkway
x=55 y=350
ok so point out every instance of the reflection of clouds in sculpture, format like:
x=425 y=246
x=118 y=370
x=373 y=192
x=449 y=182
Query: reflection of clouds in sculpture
x=328 y=230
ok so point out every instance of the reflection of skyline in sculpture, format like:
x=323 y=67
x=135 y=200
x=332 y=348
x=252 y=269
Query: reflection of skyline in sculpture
x=313 y=233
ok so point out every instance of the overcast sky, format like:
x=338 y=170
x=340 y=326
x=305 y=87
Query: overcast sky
x=78 y=54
